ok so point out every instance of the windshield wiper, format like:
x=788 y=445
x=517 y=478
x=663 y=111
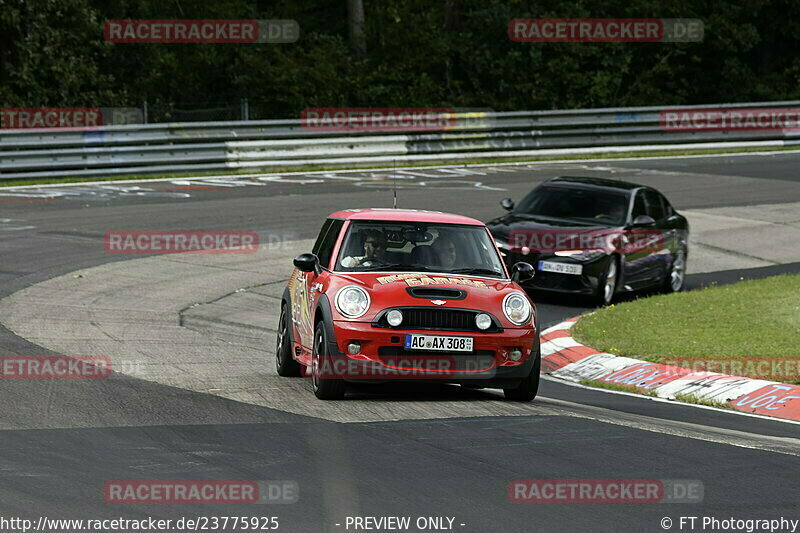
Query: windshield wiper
x=476 y=271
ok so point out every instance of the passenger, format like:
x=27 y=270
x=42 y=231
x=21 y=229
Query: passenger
x=445 y=248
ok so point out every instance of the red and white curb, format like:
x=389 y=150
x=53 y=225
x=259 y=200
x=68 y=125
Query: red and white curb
x=565 y=358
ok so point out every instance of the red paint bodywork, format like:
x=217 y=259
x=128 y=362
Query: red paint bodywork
x=483 y=294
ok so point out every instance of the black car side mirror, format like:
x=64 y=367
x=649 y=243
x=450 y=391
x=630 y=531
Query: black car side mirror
x=507 y=204
x=522 y=272
x=307 y=263
x=643 y=220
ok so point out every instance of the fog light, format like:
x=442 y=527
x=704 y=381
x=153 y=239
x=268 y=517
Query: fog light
x=516 y=354
x=354 y=348
x=394 y=317
x=483 y=321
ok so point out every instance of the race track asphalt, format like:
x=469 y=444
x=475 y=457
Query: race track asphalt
x=62 y=440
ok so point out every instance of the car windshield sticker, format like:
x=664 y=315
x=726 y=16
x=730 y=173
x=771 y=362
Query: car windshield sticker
x=414 y=280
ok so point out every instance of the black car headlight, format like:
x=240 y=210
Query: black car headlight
x=581 y=255
x=502 y=247
x=502 y=244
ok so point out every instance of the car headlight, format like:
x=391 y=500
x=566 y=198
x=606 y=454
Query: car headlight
x=502 y=245
x=517 y=308
x=352 y=301
x=580 y=255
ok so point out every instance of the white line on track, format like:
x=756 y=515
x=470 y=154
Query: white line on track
x=384 y=169
x=665 y=400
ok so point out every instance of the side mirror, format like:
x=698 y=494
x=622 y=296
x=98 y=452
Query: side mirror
x=307 y=263
x=522 y=272
x=643 y=220
x=507 y=204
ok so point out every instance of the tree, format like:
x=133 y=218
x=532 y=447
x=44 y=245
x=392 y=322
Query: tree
x=355 y=26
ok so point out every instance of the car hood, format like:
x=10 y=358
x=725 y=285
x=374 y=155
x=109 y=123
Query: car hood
x=540 y=235
x=397 y=289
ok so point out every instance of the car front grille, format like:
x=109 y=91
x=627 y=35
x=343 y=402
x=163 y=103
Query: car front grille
x=426 y=318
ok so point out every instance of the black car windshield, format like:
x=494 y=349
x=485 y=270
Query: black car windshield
x=416 y=246
x=582 y=205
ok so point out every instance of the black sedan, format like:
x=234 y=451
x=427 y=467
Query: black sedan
x=595 y=237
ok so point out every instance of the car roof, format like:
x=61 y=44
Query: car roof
x=593 y=183
x=404 y=215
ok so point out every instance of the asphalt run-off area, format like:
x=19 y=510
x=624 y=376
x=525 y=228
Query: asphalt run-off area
x=194 y=394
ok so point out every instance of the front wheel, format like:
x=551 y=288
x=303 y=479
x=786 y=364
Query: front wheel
x=324 y=388
x=528 y=387
x=607 y=283
x=676 y=275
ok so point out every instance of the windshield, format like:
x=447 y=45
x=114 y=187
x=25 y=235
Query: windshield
x=414 y=246
x=581 y=205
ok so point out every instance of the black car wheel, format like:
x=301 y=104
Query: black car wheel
x=607 y=283
x=676 y=275
x=285 y=364
x=324 y=388
x=528 y=387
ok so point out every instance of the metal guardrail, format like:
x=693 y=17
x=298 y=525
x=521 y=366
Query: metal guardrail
x=269 y=144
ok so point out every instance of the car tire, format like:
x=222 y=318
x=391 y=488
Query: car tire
x=528 y=387
x=675 y=276
x=608 y=283
x=324 y=388
x=285 y=364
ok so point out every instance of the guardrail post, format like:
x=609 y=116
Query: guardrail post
x=144 y=111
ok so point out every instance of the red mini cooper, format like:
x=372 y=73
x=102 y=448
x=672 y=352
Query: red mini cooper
x=404 y=294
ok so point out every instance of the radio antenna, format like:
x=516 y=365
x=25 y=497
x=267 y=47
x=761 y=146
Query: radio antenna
x=394 y=184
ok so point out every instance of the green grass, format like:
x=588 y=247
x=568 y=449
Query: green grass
x=691 y=398
x=758 y=318
x=464 y=162
x=613 y=386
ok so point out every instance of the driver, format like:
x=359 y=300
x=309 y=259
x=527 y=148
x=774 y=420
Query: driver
x=616 y=211
x=374 y=250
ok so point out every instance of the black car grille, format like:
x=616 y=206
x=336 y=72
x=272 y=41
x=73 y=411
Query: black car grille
x=426 y=318
x=563 y=282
